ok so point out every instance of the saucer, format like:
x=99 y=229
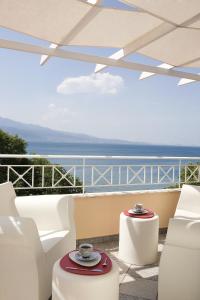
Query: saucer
x=136 y=212
x=93 y=256
x=75 y=257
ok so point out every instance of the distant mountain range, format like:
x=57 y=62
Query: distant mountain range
x=36 y=133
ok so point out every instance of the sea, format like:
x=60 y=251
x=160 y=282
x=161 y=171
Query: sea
x=119 y=150
x=111 y=149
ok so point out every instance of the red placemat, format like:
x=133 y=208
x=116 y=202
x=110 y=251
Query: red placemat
x=148 y=215
x=67 y=262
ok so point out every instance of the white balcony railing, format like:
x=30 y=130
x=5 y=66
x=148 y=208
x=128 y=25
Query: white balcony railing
x=94 y=173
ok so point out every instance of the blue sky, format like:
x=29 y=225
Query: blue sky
x=155 y=110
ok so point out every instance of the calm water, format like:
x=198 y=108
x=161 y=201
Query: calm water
x=116 y=150
x=107 y=149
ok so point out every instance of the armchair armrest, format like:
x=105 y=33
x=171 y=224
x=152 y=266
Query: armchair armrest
x=179 y=269
x=22 y=260
x=183 y=233
x=17 y=231
x=50 y=212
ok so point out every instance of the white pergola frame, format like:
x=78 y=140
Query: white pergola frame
x=29 y=48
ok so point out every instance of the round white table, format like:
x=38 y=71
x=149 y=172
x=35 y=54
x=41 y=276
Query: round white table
x=69 y=286
x=138 y=239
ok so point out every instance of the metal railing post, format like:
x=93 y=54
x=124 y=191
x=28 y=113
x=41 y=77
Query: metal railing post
x=84 y=175
x=179 y=173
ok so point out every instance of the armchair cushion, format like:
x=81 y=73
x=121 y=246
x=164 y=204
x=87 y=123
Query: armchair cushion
x=55 y=245
x=7 y=200
x=50 y=238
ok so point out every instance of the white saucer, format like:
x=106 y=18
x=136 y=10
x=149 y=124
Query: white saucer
x=134 y=211
x=74 y=257
x=93 y=256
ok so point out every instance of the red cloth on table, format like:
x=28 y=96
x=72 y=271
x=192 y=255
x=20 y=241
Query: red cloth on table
x=148 y=215
x=67 y=262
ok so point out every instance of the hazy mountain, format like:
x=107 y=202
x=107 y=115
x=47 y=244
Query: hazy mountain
x=35 y=133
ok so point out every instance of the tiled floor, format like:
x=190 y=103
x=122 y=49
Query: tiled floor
x=136 y=283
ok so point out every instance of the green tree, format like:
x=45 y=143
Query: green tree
x=10 y=144
x=190 y=174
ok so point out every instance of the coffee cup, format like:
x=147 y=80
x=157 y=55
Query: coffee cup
x=85 y=250
x=138 y=207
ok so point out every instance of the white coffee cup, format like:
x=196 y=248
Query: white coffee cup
x=138 y=207
x=85 y=250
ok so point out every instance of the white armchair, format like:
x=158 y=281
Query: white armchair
x=189 y=203
x=34 y=232
x=179 y=270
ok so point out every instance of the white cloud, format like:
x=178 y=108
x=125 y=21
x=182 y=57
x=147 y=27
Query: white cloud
x=103 y=83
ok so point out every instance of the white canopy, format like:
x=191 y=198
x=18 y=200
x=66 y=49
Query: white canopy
x=168 y=31
x=54 y=21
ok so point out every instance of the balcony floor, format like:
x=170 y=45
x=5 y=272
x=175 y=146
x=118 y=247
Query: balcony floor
x=136 y=282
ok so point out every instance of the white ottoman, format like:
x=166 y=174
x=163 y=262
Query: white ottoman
x=138 y=239
x=69 y=286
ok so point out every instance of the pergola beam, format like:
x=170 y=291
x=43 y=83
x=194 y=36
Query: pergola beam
x=45 y=58
x=13 y=45
x=145 y=75
x=141 y=42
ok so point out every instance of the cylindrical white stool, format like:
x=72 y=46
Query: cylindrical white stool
x=138 y=239
x=69 y=286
